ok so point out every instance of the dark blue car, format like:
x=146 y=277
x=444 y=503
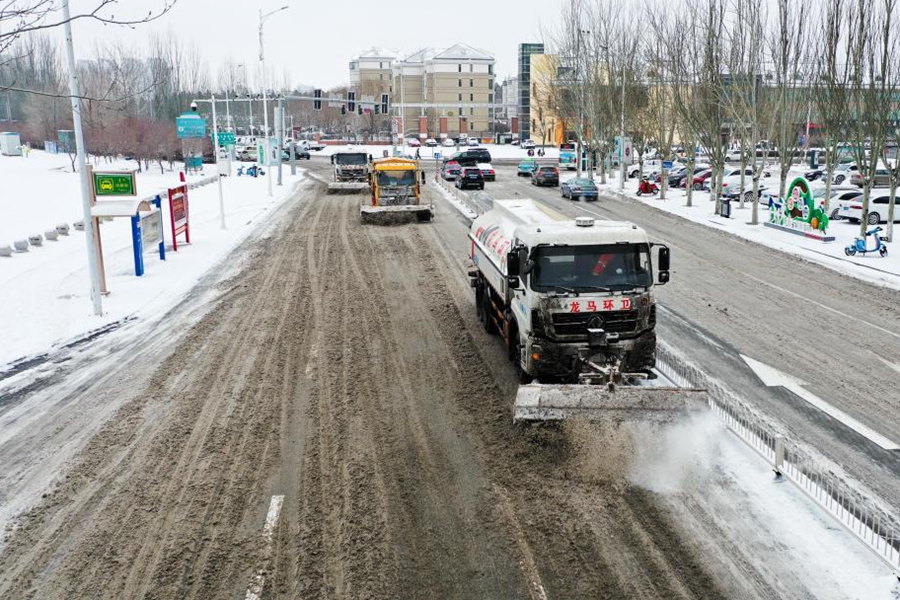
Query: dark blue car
x=579 y=187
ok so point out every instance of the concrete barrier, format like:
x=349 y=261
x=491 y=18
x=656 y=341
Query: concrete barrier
x=6 y=251
x=36 y=239
x=21 y=245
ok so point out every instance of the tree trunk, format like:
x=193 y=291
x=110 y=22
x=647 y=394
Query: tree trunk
x=863 y=222
x=689 y=181
x=890 y=218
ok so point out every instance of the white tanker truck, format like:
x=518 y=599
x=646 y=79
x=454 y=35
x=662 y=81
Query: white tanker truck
x=573 y=301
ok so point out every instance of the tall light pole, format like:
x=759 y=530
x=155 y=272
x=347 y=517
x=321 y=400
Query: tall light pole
x=622 y=133
x=74 y=93
x=262 y=62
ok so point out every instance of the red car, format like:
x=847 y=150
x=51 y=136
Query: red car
x=699 y=179
x=451 y=170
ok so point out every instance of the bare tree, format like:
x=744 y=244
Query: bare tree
x=872 y=45
x=742 y=94
x=830 y=88
x=699 y=63
x=786 y=88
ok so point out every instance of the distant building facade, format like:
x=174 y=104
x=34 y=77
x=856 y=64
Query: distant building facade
x=436 y=92
x=525 y=87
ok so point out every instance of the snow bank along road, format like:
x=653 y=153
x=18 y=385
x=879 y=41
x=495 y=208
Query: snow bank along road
x=730 y=297
x=333 y=424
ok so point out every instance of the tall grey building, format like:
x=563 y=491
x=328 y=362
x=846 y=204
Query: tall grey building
x=525 y=52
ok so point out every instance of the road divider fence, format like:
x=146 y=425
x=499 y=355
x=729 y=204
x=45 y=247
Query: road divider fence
x=857 y=510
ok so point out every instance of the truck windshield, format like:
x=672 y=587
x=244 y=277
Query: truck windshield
x=350 y=159
x=393 y=178
x=613 y=267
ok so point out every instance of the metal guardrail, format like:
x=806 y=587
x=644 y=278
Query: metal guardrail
x=859 y=514
x=461 y=196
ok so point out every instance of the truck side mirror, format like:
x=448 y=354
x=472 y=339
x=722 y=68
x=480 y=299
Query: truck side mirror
x=513 y=265
x=663 y=264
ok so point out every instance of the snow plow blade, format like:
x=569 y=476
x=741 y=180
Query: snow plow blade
x=394 y=215
x=347 y=187
x=538 y=402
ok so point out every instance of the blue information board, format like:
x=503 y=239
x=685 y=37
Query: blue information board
x=190 y=125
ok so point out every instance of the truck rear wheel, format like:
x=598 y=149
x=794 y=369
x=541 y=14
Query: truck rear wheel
x=487 y=319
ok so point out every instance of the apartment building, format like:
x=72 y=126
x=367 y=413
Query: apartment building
x=439 y=92
x=371 y=73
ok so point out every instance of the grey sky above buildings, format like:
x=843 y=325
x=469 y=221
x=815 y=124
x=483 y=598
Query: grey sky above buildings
x=314 y=41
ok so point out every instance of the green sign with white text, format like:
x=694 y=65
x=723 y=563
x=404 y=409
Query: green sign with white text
x=114 y=184
x=226 y=138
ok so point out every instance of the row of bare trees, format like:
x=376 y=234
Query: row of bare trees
x=719 y=76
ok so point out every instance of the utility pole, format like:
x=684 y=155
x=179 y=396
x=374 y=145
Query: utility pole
x=262 y=62
x=250 y=108
x=74 y=93
x=622 y=133
x=279 y=126
x=216 y=154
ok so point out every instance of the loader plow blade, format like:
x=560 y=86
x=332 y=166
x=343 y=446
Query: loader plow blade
x=538 y=402
x=395 y=215
x=347 y=187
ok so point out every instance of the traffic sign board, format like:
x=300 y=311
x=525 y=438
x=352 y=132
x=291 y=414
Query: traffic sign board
x=667 y=164
x=190 y=125
x=114 y=183
x=226 y=138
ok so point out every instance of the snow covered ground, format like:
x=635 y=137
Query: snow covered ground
x=723 y=491
x=45 y=293
x=873 y=268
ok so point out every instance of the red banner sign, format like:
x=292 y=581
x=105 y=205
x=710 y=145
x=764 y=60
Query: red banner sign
x=179 y=211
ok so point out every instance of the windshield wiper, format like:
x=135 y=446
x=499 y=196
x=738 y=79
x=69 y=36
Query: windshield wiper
x=561 y=288
x=593 y=288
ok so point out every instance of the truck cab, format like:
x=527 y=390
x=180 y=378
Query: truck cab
x=351 y=165
x=564 y=293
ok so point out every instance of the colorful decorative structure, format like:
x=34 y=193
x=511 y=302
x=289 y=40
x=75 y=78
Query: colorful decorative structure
x=799 y=213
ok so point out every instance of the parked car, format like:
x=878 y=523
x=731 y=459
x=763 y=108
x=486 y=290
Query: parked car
x=470 y=177
x=878 y=210
x=842 y=173
x=731 y=187
x=528 y=145
x=545 y=176
x=448 y=143
x=699 y=180
x=299 y=154
x=839 y=199
x=450 y=170
x=579 y=187
x=487 y=170
x=431 y=142
x=472 y=142
x=882 y=178
x=675 y=175
x=472 y=157
x=526 y=166
x=633 y=171
x=515 y=142
x=413 y=143
x=814 y=174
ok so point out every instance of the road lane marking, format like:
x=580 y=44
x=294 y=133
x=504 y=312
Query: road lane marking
x=772 y=377
x=819 y=304
x=794 y=294
x=254 y=591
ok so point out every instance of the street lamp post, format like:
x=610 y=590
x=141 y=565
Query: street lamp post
x=622 y=133
x=93 y=254
x=262 y=61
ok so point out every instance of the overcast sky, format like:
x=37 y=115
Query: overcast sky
x=315 y=40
